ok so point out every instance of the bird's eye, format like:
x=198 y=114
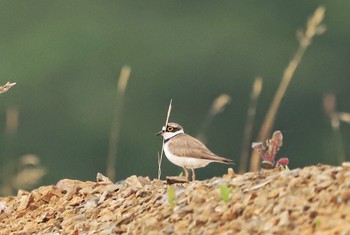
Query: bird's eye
x=170 y=129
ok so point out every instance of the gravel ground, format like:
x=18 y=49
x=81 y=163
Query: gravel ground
x=312 y=200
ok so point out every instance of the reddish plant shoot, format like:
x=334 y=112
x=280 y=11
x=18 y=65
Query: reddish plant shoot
x=269 y=150
x=282 y=162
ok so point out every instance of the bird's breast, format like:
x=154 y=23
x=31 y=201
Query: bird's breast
x=184 y=161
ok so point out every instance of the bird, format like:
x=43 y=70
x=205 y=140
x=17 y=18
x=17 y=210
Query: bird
x=186 y=151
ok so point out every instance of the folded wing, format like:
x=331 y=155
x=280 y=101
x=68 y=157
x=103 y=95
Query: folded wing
x=187 y=146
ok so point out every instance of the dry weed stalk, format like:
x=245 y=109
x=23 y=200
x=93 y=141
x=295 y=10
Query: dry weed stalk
x=329 y=105
x=247 y=134
x=30 y=172
x=6 y=87
x=117 y=116
x=313 y=28
x=344 y=117
x=217 y=107
x=23 y=173
x=12 y=117
x=160 y=156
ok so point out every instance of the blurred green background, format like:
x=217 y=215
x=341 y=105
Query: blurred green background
x=66 y=57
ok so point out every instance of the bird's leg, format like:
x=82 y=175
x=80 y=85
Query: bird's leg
x=186 y=172
x=193 y=175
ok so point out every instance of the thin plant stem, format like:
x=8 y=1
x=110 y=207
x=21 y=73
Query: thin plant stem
x=247 y=134
x=341 y=157
x=116 y=122
x=329 y=105
x=305 y=37
x=160 y=156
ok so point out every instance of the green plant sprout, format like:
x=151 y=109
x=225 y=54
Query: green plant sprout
x=171 y=196
x=317 y=222
x=284 y=168
x=225 y=192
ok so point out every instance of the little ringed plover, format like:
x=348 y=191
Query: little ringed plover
x=186 y=151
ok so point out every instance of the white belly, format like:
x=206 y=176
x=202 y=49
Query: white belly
x=186 y=162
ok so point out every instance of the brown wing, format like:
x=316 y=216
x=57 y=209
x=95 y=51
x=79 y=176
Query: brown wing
x=187 y=146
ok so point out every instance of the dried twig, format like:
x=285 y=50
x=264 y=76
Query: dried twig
x=313 y=28
x=247 y=135
x=114 y=135
x=160 y=156
x=258 y=186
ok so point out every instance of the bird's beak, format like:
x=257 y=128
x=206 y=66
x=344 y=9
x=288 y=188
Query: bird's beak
x=161 y=132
